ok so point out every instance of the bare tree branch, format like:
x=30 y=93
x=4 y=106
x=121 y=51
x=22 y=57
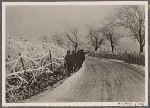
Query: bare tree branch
x=73 y=36
x=95 y=38
x=133 y=19
x=109 y=31
x=57 y=39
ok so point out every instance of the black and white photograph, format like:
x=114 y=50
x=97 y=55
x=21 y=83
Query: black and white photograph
x=75 y=53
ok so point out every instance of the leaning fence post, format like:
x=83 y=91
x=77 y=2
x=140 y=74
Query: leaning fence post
x=21 y=60
x=50 y=56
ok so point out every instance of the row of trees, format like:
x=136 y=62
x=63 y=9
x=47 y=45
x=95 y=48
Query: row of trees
x=130 y=19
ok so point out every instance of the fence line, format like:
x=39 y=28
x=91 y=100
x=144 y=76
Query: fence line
x=135 y=58
x=46 y=65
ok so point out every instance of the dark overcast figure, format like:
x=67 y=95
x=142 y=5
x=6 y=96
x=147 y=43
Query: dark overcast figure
x=73 y=60
x=82 y=57
x=68 y=62
x=78 y=59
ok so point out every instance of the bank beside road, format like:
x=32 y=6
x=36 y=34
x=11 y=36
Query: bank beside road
x=100 y=80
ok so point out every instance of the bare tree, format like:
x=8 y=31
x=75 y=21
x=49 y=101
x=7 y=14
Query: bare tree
x=57 y=39
x=110 y=31
x=44 y=39
x=95 y=37
x=73 y=36
x=133 y=18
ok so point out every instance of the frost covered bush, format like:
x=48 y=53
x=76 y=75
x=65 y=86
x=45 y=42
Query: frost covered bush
x=134 y=58
x=31 y=68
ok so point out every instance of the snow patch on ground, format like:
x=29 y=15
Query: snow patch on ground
x=134 y=65
x=117 y=60
x=65 y=86
x=139 y=66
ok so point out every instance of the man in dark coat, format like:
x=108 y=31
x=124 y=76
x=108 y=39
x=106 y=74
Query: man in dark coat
x=67 y=59
x=69 y=62
x=73 y=61
x=82 y=56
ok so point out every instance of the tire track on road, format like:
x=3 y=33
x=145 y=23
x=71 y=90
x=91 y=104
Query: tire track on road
x=101 y=81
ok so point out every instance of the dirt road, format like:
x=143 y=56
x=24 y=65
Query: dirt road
x=100 y=80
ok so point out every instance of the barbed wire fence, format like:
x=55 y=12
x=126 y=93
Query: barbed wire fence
x=40 y=66
x=120 y=54
x=27 y=75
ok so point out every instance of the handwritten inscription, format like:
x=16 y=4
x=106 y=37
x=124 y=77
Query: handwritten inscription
x=131 y=104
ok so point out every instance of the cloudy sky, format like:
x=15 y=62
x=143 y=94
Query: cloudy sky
x=37 y=21
x=40 y=20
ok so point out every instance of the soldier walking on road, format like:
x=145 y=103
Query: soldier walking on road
x=82 y=57
x=69 y=58
x=67 y=64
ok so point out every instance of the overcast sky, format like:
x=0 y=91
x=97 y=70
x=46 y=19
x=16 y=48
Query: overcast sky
x=42 y=20
x=37 y=21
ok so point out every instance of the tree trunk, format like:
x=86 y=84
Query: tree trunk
x=140 y=37
x=75 y=47
x=141 y=48
x=96 y=47
x=112 y=48
x=75 y=50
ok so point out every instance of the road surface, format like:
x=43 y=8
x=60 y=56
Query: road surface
x=100 y=80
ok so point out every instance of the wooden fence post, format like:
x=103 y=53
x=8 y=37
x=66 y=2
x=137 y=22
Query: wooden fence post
x=21 y=60
x=50 y=56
